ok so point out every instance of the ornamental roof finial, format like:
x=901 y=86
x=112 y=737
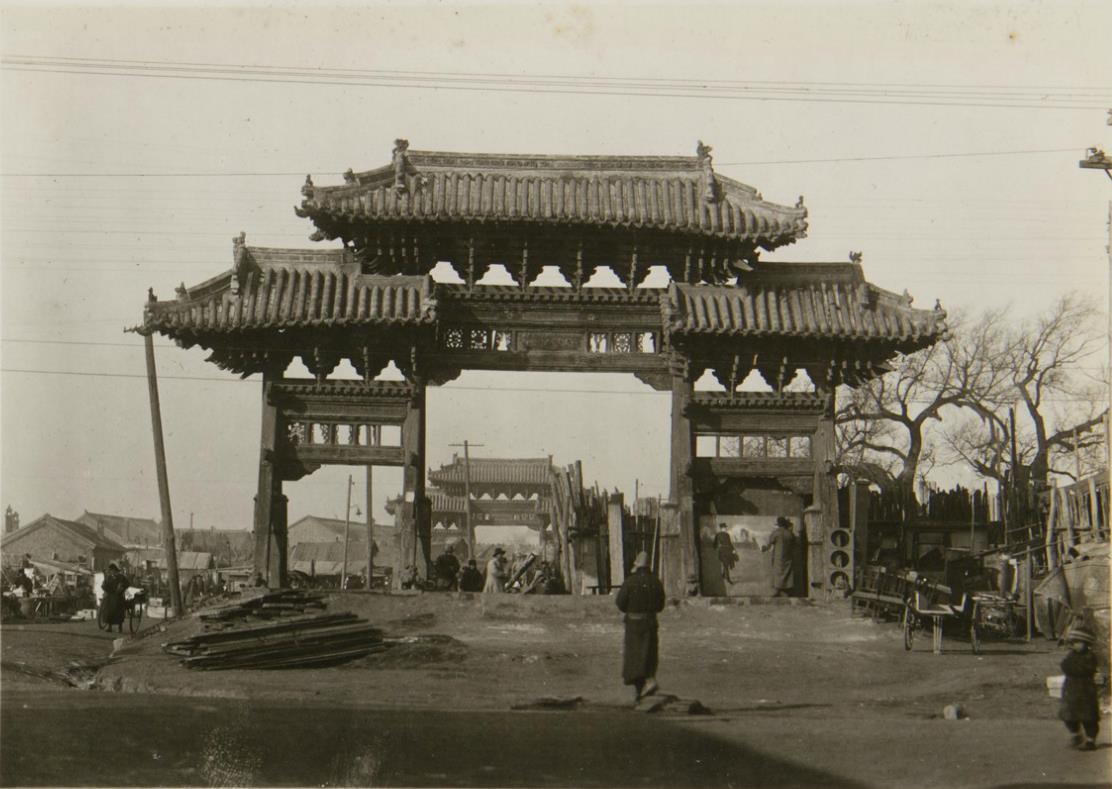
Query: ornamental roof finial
x=400 y=147
x=702 y=151
x=349 y=176
x=307 y=188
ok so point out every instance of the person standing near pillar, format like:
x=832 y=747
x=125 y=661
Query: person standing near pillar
x=782 y=545
x=641 y=598
x=727 y=556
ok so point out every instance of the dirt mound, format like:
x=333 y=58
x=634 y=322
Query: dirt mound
x=421 y=621
x=415 y=652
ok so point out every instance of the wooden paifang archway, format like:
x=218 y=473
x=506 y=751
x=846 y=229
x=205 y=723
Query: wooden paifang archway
x=372 y=302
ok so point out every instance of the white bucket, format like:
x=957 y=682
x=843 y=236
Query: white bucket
x=1054 y=686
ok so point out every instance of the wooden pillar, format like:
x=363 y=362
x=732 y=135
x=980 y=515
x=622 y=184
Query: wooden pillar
x=279 y=538
x=825 y=487
x=682 y=490
x=269 y=485
x=419 y=523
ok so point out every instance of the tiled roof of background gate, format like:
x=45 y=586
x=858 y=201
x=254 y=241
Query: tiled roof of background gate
x=821 y=300
x=657 y=192
x=274 y=288
x=496 y=471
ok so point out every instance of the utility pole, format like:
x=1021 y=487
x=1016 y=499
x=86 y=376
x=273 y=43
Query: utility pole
x=370 y=528
x=467 y=496
x=168 y=546
x=347 y=534
x=1099 y=160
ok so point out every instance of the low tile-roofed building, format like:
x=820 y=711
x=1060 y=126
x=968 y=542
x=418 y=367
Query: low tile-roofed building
x=326 y=558
x=229 y=547
x=57 y=539
x=124 y=529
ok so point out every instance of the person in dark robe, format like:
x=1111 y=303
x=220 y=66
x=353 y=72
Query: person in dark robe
x=470 y=579
x=641 y=598
x=1079 y=709
x=447 y=569
x=727 y=556
x=112 y=606
x=782 y=545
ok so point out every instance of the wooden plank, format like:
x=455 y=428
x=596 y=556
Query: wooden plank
x=616 y=542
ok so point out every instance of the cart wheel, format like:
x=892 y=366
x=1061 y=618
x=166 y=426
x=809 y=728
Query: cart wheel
x=101 y=624
x=908 y=627
x=134 y=617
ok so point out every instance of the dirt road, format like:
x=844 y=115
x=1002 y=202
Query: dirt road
x=800 y=695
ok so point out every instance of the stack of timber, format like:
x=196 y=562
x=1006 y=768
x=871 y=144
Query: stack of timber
x=286 y=637
x=269 y=605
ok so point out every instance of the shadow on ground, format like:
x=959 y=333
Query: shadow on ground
x=189 y=742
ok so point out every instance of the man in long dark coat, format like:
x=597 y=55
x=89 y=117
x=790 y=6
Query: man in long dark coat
x=727 y=556
x=782 y=544
x=1079 y=708
x=112 y=606
x=641 y=598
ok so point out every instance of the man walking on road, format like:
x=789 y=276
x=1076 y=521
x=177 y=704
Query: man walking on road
x=782 y=544
x=641 y=598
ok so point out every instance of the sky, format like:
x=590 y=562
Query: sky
x=940 y=140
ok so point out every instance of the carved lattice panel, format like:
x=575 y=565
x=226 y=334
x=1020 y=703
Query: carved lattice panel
x=453 y=339
x=478 y=339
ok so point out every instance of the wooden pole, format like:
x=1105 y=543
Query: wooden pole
x=1028 y=594
x=370 y=527
x=467 y=499
x=469 y=526
x=1010 y=511
x=168 y=546
x=347 y=535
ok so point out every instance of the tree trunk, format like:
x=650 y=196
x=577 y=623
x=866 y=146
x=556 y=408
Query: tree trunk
x=905 y=480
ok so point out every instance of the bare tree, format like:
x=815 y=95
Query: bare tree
x=886 y=421
x=1043 y=363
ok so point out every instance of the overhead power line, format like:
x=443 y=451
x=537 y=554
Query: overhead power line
x=1014 y=97
x=301 y=173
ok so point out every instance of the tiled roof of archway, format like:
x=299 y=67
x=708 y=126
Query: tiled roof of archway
x=807 y=300
x=496 y=471
x=680 y=194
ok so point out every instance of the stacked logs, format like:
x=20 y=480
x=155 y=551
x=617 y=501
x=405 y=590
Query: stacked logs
x=289 y=638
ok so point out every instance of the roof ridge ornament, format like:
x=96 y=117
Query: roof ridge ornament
x=702 y=151
x=855 y=257
x=239 y=255
x=400 y=147
x=307 y=188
